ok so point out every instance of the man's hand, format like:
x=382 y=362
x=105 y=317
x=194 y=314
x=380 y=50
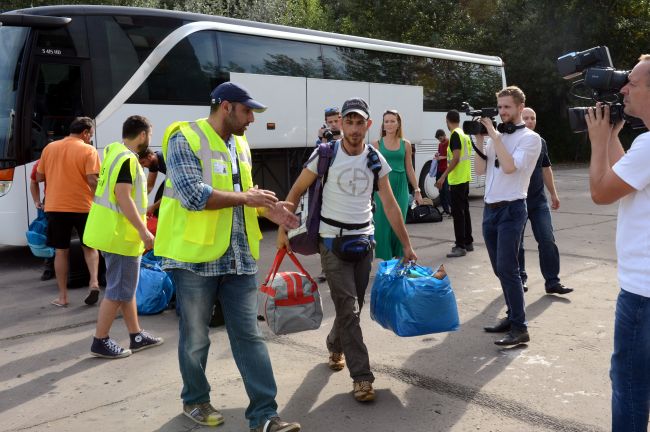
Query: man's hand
x=440 y=182
x=256 y=197
x=600 y=130
x=282 y=240
x=38 y=204
x=487 y=122
x=409 y=254
x=279 y=214
x=555 y=202
x=147 y=238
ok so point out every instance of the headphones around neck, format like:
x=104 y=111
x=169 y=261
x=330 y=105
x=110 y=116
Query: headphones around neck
x=509 y=128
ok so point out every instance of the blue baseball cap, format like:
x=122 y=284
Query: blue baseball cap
x=231 y=92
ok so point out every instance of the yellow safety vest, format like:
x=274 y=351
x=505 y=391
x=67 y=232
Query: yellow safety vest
x=462 y=173
x=203 y=236
x=107 y=228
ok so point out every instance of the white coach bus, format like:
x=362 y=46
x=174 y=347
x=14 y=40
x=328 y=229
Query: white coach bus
x=59 y=62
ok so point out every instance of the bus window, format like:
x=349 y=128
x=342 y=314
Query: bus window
x=57 y=102
x=119 y=44
x=12 y=43
x=260 y=55
x=68 y=41
x=186 y=75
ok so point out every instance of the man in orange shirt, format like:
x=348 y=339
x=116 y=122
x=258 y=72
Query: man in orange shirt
x=71 y=168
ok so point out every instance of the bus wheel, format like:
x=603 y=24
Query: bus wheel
x=428 y=185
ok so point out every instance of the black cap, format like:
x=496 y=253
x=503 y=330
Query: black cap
x=232 y=92
x=355 y=105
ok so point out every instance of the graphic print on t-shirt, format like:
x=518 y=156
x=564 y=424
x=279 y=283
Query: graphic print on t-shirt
x=355 y=182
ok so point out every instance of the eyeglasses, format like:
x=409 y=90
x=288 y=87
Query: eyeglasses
x=332 y=111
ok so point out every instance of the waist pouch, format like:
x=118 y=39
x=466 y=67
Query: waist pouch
x=351 y=247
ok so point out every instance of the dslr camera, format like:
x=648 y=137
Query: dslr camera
x=475 y=127
x=601 y=79
x=329 y=134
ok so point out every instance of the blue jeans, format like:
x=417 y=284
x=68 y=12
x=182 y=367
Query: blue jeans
x=502 y=230
x=238 y=296
x=630 y=372
x=539 y=215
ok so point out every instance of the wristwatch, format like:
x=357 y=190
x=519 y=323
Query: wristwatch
x=416 y=190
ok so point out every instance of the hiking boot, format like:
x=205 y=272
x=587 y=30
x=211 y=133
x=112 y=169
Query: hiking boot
x=108 y=348
x=143 y=340
x=336 y=361
x=274 y=424
x=363 y=391
x=456 y=252
x=203 y=414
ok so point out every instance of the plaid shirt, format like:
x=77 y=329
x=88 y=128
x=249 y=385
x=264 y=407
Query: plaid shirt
x=184 y=170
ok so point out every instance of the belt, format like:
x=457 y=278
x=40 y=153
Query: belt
x=499 y=204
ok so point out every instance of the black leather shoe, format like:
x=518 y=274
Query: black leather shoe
x=558 y=289
x=514 y=337
x=525 y=286
x=469 y=247
x=456 y=252
x=502 y=326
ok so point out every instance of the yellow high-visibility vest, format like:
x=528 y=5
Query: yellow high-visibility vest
x=107 y=229
x=462 y=173
x=202 y=236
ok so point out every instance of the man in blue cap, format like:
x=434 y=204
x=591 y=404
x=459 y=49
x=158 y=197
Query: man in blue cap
x=208 y=236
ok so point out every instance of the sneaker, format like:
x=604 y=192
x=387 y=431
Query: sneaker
x=363 y=391
x=321 y=277
x=203 y=414
x=336 y=361
x=144 y=340
x=274 y=424
x=524 y=285
x=456 y=252
x=108 y=348
x=469 y=247
x=92 y=297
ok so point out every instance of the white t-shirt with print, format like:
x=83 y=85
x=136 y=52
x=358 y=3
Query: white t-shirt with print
x=633 y=224
x=347 y=193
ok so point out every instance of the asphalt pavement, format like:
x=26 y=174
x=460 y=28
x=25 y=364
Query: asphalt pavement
x=457 y=381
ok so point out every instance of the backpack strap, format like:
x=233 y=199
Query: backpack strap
x=374 y=164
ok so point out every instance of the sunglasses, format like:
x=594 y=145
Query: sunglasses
x=332 y=111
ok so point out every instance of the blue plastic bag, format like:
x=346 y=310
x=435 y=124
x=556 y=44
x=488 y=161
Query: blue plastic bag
x=410 y=301
x=433 y=169
x=37 y=236
x=155 y=288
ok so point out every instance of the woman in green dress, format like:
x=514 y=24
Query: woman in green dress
x=397 y=152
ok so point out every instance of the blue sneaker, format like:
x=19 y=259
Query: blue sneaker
x=108 y=348
x=143 y=340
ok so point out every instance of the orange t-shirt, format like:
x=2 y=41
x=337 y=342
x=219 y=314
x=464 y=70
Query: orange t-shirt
x=65 y=164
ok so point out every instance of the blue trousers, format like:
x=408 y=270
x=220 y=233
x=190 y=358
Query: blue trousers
x=630 y=371
x=502 y=230
x=539 y=215
x=238 y=297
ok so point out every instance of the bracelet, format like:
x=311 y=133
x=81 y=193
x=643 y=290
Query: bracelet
x=416 y=190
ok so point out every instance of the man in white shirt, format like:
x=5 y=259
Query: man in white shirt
x=615 y=175
x=510 y=156
x=346 y=212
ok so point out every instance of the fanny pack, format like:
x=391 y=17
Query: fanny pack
x=351 y=247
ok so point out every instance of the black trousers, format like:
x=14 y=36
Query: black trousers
x=460 y=212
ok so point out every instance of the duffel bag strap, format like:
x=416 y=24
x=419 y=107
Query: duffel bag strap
x=293 y=257
x=275 y=266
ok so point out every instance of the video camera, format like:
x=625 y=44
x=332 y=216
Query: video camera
x=475 y=127
x=599 y=76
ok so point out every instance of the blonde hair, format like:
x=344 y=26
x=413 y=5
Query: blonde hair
x=399 y=133
x=517 y=95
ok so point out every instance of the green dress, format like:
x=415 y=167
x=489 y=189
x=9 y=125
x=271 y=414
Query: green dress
x=388 y=245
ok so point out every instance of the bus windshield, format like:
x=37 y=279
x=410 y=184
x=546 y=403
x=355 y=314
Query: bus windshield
x=12 y=44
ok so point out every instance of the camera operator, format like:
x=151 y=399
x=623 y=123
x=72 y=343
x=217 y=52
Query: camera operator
x=331 y=130
x=510 y=156
x=615 y=175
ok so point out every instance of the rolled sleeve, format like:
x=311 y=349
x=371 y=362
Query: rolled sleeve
x=184 y=170
x=527 y=152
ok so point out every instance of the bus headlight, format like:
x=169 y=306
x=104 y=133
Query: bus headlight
x=6 y=180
